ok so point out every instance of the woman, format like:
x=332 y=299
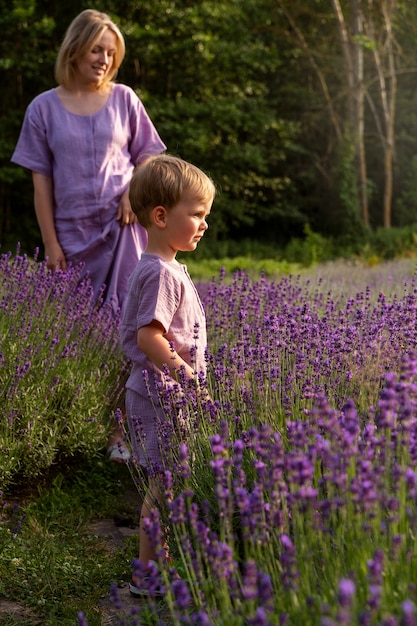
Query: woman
x=82 y=141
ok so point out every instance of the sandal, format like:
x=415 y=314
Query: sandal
x=149 y=584
x=155 y=590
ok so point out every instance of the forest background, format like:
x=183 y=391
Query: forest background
x=303 y=111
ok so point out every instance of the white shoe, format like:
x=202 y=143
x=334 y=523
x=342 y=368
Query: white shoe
x=118 y=453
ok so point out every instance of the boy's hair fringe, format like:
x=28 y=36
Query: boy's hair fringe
x=164 y=180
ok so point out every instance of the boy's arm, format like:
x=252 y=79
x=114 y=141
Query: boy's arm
x=152 y=342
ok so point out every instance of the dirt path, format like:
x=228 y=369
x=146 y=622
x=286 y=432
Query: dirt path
x=115 y=536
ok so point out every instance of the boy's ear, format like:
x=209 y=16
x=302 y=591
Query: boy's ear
x=158 y=216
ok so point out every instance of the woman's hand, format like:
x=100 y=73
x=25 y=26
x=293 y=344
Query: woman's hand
x=125 y=214
x=55 y=257
x=44 y=209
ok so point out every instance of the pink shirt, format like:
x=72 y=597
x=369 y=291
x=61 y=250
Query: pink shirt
x=163 y=291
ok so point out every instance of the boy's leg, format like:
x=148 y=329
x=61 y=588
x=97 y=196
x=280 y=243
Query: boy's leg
x=152 y=499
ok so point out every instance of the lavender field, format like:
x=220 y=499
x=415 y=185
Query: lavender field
x=294 y=498
x=60 y=369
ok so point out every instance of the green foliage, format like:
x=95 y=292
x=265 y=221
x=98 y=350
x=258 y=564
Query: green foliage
x=205 y=269
x=205 y=73
x=351 y=228
x=299 y=253
x=205 y=109
x=26 y=68
x=311 y=250
x=230 y=87
x=394 y=242
x=407 y=201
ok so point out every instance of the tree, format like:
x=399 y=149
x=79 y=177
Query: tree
x=352 y=49
x=26 y=60
x=203 y=70
x=301 y=110
x=368 y=63
x=384 y=48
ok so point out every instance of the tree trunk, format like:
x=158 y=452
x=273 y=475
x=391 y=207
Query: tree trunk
x=359 y=92
x=388 y=95
x=353 y=56
x=320 y=74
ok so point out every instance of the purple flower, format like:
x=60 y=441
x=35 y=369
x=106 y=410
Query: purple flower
x=250 y=581
x=201 y=619
x=346 y=591
x=375 y=568
x=149 y=578
x=290 y=572
x=260 y=618
x=181 y=594
x=408 y=614
x=387 y=404
x=115 y=597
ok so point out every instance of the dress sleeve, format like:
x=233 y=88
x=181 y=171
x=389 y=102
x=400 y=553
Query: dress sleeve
x=145 y=140
x=32 y=150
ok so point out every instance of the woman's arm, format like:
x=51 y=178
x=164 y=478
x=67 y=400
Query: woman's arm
x=124 y=212
x=44 y=209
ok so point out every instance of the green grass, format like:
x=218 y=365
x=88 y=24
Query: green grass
x=297 y=254
x=205 y=269
x=50 y=561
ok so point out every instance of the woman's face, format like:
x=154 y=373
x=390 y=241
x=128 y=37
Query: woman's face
x=94 y=66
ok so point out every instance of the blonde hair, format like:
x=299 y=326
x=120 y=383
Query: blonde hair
x=164 y=180
x=81 y=36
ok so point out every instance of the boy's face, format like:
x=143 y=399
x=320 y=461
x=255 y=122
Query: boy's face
x=186 y=224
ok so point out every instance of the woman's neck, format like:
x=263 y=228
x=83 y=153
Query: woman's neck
x=82 y=101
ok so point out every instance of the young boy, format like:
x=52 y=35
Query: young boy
x=163 y=331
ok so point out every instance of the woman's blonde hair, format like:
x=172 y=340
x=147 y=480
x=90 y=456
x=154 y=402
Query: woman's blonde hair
x=81 y=36
x=164 y=180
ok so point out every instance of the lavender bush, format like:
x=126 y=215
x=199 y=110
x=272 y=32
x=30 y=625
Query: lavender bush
x=296 y=503
x=60 y=368
x=294 y=497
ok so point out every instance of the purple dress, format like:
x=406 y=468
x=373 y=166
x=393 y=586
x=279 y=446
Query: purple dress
x=163 y=291
x=90 y=159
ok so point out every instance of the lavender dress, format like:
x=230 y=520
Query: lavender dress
x=162 y=291
x=90 y=159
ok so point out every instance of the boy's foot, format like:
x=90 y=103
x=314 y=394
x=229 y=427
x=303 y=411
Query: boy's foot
x=149 y=581
x=147 y=587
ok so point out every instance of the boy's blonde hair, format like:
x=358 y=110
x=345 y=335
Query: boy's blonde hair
x=164 y=180
x=81 y=36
